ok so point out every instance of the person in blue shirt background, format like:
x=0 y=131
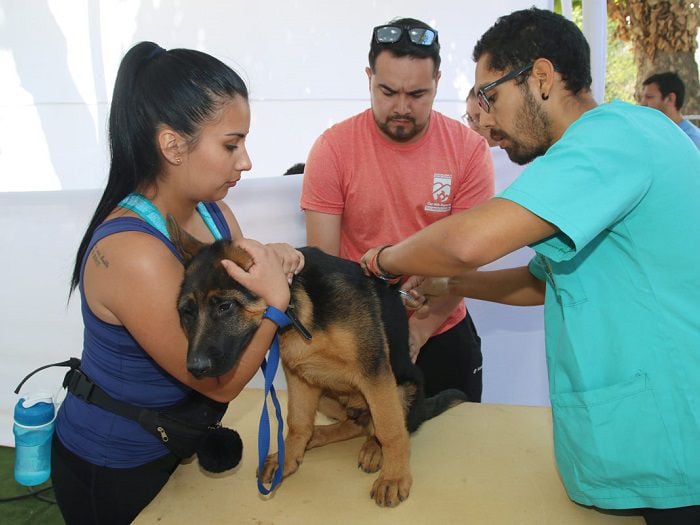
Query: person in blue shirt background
x=609 y=203
x=666 y=92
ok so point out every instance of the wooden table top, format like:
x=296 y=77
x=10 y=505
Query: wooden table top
x=476 y=463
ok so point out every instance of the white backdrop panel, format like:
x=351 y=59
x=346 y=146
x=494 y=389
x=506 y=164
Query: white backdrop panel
x=303 y=61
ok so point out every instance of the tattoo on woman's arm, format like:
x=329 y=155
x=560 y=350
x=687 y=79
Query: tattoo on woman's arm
x=99 y=258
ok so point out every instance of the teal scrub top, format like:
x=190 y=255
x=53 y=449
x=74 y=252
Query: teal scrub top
x=622 y=305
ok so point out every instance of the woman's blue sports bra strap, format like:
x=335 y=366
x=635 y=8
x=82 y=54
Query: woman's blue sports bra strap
x=149 y=213
x=209 y=221
x=145 y=209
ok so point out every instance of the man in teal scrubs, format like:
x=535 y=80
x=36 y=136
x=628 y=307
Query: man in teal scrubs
x=610 y=202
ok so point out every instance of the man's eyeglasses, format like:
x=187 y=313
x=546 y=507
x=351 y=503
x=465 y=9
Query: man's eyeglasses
x=481 y=97
x=469 y=121
x=421 y=36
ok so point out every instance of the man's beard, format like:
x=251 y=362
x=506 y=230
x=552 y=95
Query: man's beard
x=532 y=125
x=400 y=133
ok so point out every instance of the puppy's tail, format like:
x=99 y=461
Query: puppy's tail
x=428 y=408
x=436 y=405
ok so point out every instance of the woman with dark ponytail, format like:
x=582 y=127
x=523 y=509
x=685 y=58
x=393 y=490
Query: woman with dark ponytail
x=177 y=130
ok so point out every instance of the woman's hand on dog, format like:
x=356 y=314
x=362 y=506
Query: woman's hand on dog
x=292 y=259
x=266 y=277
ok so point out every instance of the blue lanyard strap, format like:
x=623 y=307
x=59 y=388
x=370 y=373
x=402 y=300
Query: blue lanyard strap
x=149 y=213
x=209 y=221
x=269 y=369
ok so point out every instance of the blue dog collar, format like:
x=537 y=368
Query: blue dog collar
x=277 y=316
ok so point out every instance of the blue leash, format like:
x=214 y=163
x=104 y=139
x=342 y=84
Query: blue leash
x=148 y=212
x=281 y=320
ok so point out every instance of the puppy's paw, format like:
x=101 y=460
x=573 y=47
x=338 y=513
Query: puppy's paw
x=291 y=465
x=391 y=492
x=370 y=459
x=269 y=468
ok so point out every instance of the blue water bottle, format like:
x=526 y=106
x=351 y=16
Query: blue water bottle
x=33 y=429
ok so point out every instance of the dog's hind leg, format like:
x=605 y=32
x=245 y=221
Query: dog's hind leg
x=370 y=459
x=301 y=412
x=332 y=408
x=394 y=482
x=351 y=416
x=325 y=434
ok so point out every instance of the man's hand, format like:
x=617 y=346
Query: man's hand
x=418 y=335
x=421 y=290
x=367 y=258
x=427 y=319
x=412 y=298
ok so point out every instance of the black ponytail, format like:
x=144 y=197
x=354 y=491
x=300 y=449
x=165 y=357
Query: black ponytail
x=180 y=88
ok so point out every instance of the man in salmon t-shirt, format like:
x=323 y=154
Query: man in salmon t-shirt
x=390 y=171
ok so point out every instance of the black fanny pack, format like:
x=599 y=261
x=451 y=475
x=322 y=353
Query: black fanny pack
x=191 y=426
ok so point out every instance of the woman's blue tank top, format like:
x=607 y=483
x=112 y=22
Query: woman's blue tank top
x=116 y=362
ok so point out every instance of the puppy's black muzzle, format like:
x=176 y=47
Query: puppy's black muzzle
x=215 y=356
x=200 y=365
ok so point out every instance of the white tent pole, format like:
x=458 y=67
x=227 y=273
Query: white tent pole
x=595 y=28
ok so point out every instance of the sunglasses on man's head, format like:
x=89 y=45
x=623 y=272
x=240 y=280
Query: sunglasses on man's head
x=481 y=96
x=422 y=36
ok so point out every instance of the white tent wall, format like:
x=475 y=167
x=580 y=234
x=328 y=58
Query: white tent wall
x=304 y=63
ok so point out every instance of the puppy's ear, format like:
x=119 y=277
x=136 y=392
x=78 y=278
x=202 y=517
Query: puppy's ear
x=238 y=255
x=187 y=245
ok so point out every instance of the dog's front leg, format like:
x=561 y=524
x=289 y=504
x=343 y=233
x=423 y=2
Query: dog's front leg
x=394 y=482
x=302 y=401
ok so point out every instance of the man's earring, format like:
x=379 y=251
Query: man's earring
x=178 y=160
x=545 y=97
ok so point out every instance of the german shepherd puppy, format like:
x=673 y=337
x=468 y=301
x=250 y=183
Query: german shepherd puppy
x=355 y=368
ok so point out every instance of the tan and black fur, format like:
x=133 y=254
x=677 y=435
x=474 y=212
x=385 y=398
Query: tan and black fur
x=356 y=367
